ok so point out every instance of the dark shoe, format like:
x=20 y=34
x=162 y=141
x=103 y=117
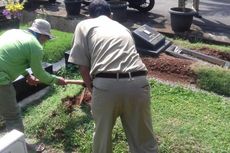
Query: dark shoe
x=40 y=148
x=198 y=16
x=32 y=148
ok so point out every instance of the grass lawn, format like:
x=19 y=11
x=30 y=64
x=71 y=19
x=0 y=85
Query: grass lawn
x=198 y=44
x=183 y=120
x=190 y=121
x=55 y=48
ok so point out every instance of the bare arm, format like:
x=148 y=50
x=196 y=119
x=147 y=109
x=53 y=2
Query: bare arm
x=85 y=73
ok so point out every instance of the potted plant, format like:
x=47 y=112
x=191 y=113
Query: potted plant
x=11 y=13
x=73 y=7
x=181 y=17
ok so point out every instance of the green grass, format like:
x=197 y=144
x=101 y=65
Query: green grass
x=54 y=126
x=188 y=121
x=183 y=120
x=54 y=49
x=196 y=45
x=50 y=122
x=213 y=78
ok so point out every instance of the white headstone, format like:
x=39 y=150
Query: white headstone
x=13 y=142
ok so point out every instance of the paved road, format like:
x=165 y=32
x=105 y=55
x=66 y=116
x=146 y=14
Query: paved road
x=214 y=11
x=216 y=16
x=214 y=24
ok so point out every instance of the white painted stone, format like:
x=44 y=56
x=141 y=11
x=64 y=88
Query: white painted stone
x=13 y=142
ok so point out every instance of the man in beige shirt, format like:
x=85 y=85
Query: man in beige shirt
x=113 y=71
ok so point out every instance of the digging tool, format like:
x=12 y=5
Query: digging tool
x=79 y=82
x=81 y=97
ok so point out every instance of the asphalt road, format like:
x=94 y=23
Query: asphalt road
x=212 y=11
x=215 y=11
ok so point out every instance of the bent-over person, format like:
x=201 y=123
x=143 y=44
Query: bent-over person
x=115 y=74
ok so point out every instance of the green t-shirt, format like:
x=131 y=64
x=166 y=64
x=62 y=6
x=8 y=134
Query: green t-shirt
x=19 y=50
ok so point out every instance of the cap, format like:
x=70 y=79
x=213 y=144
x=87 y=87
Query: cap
x=42 y=27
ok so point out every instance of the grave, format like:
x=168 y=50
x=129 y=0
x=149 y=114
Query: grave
x=149 y=41
x=13 y=142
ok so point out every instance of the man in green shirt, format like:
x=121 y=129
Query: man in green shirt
x=19 y=50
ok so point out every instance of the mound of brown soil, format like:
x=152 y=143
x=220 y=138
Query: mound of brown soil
x=169 y=68
x=215 y=53
x=69 y=102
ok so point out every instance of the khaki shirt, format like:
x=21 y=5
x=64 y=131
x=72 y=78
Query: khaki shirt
x=104 y=45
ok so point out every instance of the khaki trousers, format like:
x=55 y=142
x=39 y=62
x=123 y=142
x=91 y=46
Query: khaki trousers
x=128 y=99
x=9 y=109
x=195 y=4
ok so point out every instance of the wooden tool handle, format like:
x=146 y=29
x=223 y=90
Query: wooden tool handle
x=82 y=96
x=79 y=82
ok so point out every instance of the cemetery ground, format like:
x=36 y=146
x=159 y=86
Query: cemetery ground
x=189 y=102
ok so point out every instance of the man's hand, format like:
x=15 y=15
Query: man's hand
x=61 y=81
x=31 y=80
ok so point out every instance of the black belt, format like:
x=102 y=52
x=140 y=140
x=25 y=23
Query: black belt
x=121 y=75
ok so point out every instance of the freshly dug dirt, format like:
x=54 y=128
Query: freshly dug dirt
x=70 y=102
x=215 y=53
x=169 y=68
